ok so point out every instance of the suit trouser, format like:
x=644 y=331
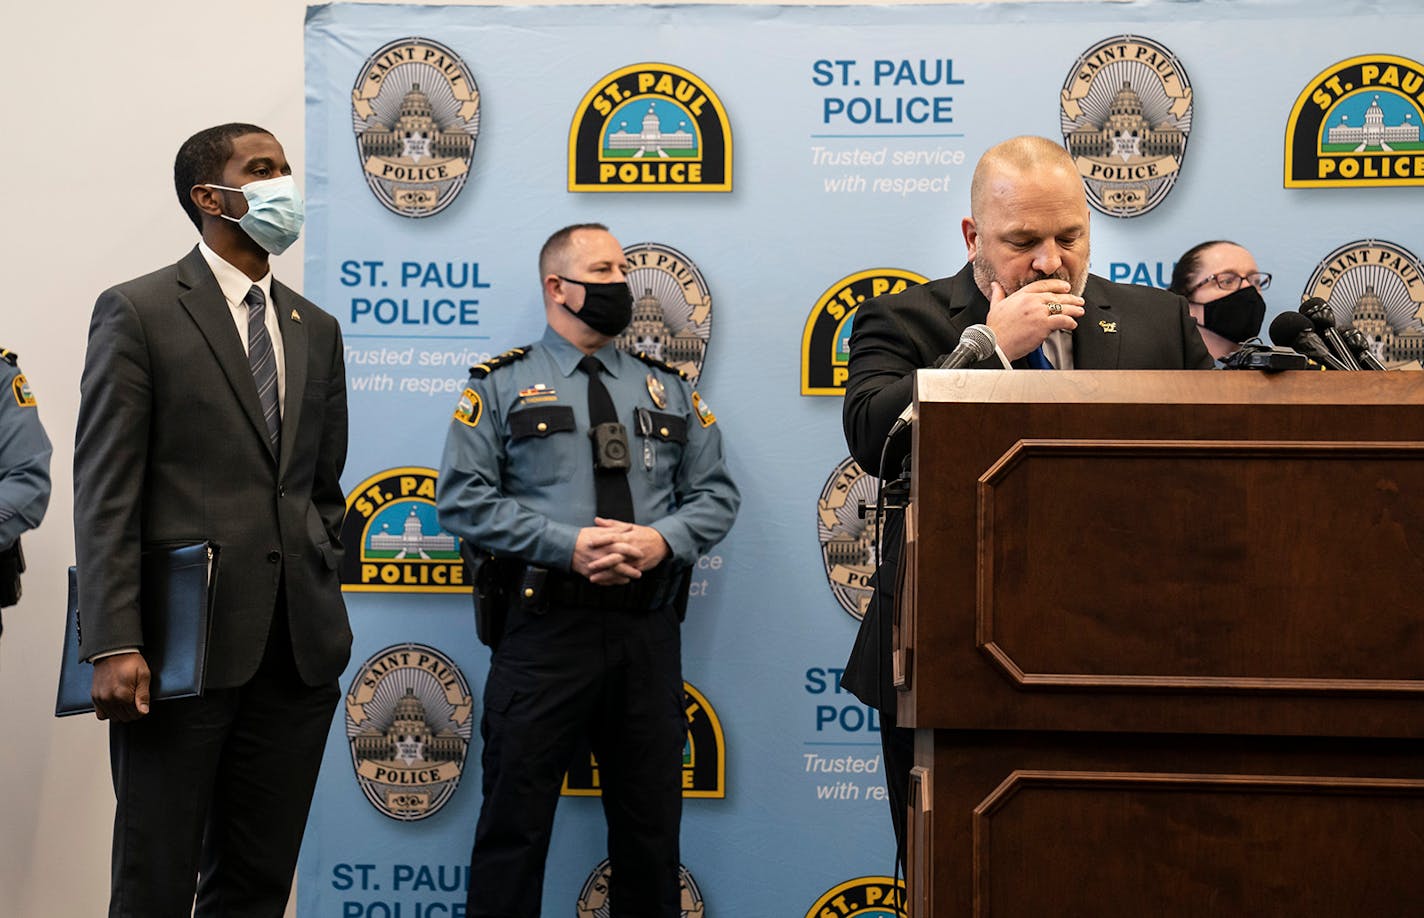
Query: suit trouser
x=898 y=746
x=614 y=677
x=214 y=791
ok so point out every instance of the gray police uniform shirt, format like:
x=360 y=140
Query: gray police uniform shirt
x=517 y=475
x=24 y=456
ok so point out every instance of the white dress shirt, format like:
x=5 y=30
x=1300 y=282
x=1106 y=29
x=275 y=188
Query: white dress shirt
x=234 y=285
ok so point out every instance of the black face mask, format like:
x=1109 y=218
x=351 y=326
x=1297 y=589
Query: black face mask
x=607 y=308
x=1236 y=316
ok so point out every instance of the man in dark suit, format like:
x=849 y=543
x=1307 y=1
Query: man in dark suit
x=1027 y=279
x=213 y=407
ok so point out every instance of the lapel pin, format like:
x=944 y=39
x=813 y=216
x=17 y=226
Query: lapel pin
x=1108 y=327
x=296 y=317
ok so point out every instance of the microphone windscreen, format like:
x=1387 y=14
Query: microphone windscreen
x=1318 y=312
x=981 y=340
x=1287 y=328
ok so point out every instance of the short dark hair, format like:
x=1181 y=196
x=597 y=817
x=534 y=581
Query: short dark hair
x=1188 y=263
x=556 y=245
x=201 y=160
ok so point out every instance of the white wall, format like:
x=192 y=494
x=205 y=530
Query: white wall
x=106 y=91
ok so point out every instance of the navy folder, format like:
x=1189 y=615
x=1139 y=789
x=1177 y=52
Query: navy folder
x=176 y=597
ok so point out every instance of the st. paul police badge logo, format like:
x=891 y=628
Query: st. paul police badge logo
x=825 y=342
x=594 y=900
x=672 y=308
x=847 y=538
x=650 y=127
x=1377 y=287
x=408 y=721
x=393 y=539
x=704 y=755
x=863 y=897
x=416 y=112
x=1357 y=125
x=1126 y=110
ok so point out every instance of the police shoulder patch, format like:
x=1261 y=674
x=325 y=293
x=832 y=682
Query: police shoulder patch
x=23 y=396
x=705 y=417
x=470 y=408
x=660 y=364
x=514 y=354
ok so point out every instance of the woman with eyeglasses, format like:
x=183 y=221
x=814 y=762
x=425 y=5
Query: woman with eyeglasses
x=1223 y=289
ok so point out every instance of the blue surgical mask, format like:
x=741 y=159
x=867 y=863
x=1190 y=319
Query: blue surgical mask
x=274 y=212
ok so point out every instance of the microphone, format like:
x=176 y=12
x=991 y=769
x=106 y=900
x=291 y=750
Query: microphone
x=1323 y=318
x=1359 y=345
x=976 y=343
x=1295 y=331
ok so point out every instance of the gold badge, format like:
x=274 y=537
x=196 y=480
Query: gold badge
x=470 y=408
x=657 y=391
x=704 y=414
x=1108 y=327
x=296 y=317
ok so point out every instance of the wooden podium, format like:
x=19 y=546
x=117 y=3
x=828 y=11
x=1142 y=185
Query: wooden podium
x=1162 y=642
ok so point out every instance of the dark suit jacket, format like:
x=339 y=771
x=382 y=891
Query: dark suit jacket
x=893 y=336
x=171 y=446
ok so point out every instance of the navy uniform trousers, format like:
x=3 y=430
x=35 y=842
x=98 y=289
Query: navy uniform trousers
x=613 y=676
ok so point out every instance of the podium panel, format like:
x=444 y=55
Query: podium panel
x=1161 y=641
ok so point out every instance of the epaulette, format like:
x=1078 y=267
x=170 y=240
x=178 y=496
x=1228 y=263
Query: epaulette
x=9 y=357
x=514 y=354
x=661 y=365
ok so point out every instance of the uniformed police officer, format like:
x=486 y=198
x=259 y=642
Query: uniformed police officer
x=601 y=476
x=24 y=473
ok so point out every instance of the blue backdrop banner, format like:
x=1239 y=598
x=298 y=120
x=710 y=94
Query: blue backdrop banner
x=767 y=168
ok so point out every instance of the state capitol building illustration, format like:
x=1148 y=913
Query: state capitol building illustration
x=412 y=541
x=651 y=139
x=416 y=135
x=1374 y=132
x=1394 y=348
x=409 y=737
x=649 y=333
x=1127 y=133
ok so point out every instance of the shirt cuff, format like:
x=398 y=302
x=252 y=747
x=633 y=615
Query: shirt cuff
x=555 y=549
x=111 y=653
x=679 y=542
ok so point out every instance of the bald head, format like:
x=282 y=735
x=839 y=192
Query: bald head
x=1006 y=163
x=1028 y=217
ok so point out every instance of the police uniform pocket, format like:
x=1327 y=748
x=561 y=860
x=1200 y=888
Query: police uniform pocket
x=540 y=421
x=542 y=444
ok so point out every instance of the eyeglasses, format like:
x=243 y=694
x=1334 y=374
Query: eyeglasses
x=1230 y=281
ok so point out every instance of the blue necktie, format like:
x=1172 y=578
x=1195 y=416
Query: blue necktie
x=1037 y=360
x=263 y=361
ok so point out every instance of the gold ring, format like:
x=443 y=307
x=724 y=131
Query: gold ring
x=1055 y=308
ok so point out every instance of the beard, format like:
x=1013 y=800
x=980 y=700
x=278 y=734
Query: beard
x=984 y=275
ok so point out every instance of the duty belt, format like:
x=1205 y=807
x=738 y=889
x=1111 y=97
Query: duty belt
x=539 y=587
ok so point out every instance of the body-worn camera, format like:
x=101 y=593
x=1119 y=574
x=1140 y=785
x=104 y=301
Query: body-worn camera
x=610 y=447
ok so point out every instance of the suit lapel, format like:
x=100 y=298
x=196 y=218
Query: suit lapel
x=1097 y=341
x=294 y=347
x=204 y=302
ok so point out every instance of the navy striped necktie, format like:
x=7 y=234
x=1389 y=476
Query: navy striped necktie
x=263 y=361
